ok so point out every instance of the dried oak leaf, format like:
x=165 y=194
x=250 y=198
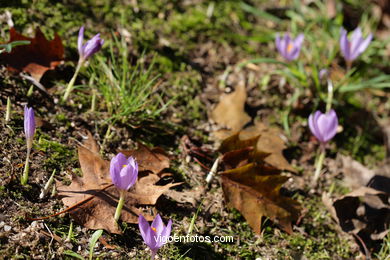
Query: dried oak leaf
x=230 y=113
x=267 y=146
x=365 y=212
x=35 y=58
x=154 y=160
x=255 y=192
x=98 y=212
x=251 y=181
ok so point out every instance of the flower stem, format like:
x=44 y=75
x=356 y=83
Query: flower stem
x=69 y=88
x=153 y=255
x=120 y=205
x=26 y=170
x=330 y=96
x=319 y=163
x=349 y=65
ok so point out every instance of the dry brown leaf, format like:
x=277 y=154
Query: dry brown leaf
x=35 y=58
x=253 y=187
x=253 y=205
x=230 y=113
x=355 y=174
x=98 y=212
x=266 y=142
x=365 y=213
x=186 y=196
x=154 y=160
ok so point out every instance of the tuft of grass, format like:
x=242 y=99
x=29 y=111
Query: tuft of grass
x=128 y=92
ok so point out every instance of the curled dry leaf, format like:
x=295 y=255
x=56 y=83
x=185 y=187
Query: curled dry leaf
x=35 y=58
x=365 y=213
x=230 y=113
x=98 y=212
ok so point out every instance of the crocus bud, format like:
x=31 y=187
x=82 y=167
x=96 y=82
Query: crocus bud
x=123 y=171
x=29 y=125
x=324 y=73
x=352 y=48
x=323 y=126
x=90 y=47
x=156 y=235
x=289 y=48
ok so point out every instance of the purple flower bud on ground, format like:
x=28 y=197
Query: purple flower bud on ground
x=123 y=171
x=156 y=235
x=289 y=48
x=323 y=126
x=90 y=47
x=29 y=125
x=352 y=48
x=323 y=73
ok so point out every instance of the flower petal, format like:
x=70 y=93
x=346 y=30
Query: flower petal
x=146 y=232
x=80 y=41
x=158 y=224
x=327 y=125
x=344 y=44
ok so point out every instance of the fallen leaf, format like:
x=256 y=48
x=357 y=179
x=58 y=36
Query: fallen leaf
x=365 y=213
x=154 y=160
x=35 y=58
x=187 y=196
x=355 y=174
x=230 y=113
x=266 y=143
x=251 y=184
x=98 y=212
x=254 y=205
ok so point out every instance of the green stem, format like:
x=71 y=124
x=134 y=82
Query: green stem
x=120 y=205
x=319 y=163
x=69 y=88
x=330 y=96
x=24 y=178
x=349 y=65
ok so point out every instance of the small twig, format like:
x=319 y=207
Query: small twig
x=201 y=164
x=366 y=252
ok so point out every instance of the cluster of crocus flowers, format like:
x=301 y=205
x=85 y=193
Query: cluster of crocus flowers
x=29 y=131
x=155 y=235
x=353 y=47
x=289 y=48
x=124 y=174
x=85 y=52
x=324 y=128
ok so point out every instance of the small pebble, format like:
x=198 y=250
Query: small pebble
x=7 y=228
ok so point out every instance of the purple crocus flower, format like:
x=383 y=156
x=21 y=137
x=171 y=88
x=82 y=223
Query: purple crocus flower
x=323 y=126
x=156 y=235
x=29 y=125
x=123 y=171
x=289 y=48
x=352 y=48
x=90 y=47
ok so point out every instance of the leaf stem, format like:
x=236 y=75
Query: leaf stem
x=69 y=88
x=120 y=205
